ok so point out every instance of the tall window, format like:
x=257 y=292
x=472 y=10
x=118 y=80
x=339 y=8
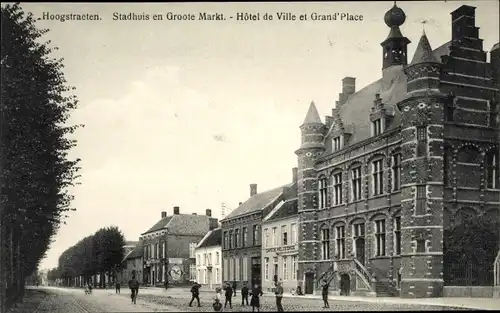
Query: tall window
x=255 y=234
x=377 y=127
x=378 y=177
x=294 y=267
x=397 y=235
x=231 y=269
x=492 y=170
x=421 y=200
x=293 y=234
x=245 y=268
x=226 y=244
x=356 y=183
x=266 y=238
x=275 y=265
x=396 y=171
x=192 y=272
x=359 y=230
x=421 y=141
x=340 y=241
x=157 y=251
x=217 y=258
x=266 y=268
x=336 y=144
x=337 y=188
x=204 y=259
x=380 y=237
x=284 y=235
x=244 y=237
x=236 y=238
x=198 y=261
x=225 y=269
x=230 y=239
x=285 y=268
x=237 y=268
x=448 y=113
x=217 y=276
x=275 y=236
x=325 y=243
x=323 y=189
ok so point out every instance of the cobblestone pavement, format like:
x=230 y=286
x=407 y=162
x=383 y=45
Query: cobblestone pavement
x=64 y=300
x=179 y=302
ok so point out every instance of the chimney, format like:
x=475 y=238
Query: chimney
x=176 y=210
x=348 y=86
x=253 y=189
x=163 y=214
x=294 y=174
x=208 y=212
x=463 y=23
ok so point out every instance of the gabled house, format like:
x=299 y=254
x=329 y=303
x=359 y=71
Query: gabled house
x=208 y=260
x=169 y=247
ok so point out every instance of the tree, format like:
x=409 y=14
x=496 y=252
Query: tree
x=35 y=171
x=470 y=249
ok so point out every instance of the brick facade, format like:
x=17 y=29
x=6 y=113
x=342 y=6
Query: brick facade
x=429 y=160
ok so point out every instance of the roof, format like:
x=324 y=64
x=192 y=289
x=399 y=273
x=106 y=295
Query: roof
x=288 y=208
x=312 y=116
x=257 y=202
x=212 y=239
x=423 y=53
x=131 y=243
x=183 y=224
x=137 y=252
x=392 y=90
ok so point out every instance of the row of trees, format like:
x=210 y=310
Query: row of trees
x=35 y=170
x=97 y=254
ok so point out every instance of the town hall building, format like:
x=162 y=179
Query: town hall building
x=397 y=162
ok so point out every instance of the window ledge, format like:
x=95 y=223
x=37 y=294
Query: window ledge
x=378 y=196
x=380 y=257
x=492 y=189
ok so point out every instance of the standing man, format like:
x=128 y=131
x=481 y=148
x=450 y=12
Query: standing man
x=244 y=294
x=324 y=293
x=195 y=293
x=229 y=295
x=117 y=287
x=279 y=296
x=234 y=288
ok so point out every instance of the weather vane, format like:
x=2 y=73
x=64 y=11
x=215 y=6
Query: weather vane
x=423 y=25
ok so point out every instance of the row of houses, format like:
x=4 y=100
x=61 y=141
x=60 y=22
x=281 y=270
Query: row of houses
x=377 y=183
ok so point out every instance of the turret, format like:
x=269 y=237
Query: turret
x=395 y=45
x=312 y=146
x=422 y=129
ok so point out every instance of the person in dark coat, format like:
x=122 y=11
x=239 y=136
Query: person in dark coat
x=278 y=291
x=234 y=288
x=255 y=301
x=195 y=293
x=117 y=287
x=229 y=295
x=244 y=294
x=324 y=293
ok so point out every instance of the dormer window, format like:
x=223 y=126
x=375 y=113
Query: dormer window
x=377 y=127
x=336 y=143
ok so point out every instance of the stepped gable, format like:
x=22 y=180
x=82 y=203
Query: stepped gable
x=392 y=89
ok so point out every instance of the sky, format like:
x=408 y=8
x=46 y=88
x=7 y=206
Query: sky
x=189 y=113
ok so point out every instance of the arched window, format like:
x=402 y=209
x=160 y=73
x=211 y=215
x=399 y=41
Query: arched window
x=492 y=170
x=322 y=192
x=396 y=171
x=340 y=241
x=356 y=183
x=337 y=187
x=377 y=177
x=325 y=243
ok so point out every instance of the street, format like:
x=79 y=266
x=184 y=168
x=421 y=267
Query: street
x=62 y=300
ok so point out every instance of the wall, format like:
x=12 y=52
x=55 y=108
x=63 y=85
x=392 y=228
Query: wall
x=271 y=251
x=210 y=278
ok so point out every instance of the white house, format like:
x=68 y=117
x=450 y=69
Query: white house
x=208 y=260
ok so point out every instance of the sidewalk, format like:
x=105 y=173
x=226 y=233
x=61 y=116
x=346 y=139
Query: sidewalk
x=467 y=303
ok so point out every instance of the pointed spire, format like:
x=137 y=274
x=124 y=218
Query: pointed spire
x=423 y=53
x=312 y=116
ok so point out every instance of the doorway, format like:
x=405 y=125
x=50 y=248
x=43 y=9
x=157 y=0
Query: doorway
x=360 y=250
x=256 y=278
x=309 y=284
x=345 y=284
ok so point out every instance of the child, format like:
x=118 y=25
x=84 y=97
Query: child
x=217 y=305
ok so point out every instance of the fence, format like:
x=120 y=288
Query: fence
x=470 y=274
